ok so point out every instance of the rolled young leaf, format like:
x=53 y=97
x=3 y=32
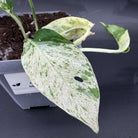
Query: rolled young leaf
x=120 y=35
x=62 y=73
x=71 y=28
x=6 y=5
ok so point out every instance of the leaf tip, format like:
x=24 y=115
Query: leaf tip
x=103 y=24
x=96 y=130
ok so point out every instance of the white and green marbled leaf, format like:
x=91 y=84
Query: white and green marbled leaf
x=52 y=68
x=72 y=28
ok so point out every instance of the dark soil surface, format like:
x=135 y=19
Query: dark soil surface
x=11 y=39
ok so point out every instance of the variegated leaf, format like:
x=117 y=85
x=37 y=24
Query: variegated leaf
x=121 y=36
x=71 y=28
x=62 y=73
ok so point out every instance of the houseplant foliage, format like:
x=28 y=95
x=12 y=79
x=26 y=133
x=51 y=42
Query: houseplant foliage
x=59 y=69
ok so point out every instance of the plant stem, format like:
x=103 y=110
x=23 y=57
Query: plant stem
x=19 y=22
x=100 y=50
x=34 y=15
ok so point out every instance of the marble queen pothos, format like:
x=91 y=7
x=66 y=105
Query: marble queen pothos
x=59 y=69
x=52 y=63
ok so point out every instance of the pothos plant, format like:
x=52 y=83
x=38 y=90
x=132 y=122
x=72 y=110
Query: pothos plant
x=59 y=69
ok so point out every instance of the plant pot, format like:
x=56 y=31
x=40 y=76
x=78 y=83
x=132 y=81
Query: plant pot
x=17 y=84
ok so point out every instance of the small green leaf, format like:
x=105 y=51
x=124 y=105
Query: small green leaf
x=71 y=28
x=114 y=30
x=44 y=62
x=6 y=5
x=120 y=35
x=49 y=35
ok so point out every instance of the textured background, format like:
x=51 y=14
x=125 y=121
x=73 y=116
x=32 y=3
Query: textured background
x=117 y=76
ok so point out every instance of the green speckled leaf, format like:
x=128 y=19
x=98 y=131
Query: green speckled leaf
x=62 y=73
x=72 y=27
